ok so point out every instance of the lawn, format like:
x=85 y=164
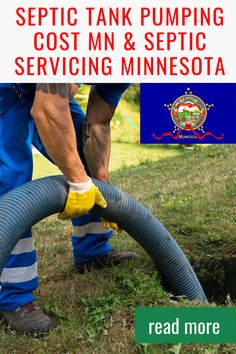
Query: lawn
x=191 y=192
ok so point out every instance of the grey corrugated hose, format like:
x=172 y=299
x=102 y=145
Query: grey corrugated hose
x=23 y=207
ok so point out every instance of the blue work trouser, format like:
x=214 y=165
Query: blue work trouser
x=17 y=134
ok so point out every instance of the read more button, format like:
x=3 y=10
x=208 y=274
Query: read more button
x=185 y=325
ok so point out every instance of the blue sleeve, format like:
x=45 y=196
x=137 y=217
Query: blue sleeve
x=6 y=85
x=111 y=93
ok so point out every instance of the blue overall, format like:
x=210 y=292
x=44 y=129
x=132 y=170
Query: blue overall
x=17 y=134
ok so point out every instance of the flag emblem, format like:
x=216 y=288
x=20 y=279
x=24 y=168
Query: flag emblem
x=188 y=113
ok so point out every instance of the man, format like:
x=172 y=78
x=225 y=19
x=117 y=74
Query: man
x=47 y=116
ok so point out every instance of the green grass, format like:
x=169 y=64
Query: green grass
x=191 y=192
x=123 y=155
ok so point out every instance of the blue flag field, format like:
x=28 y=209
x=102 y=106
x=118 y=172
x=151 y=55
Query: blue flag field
x=188 y=113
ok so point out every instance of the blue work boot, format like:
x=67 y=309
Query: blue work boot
x=113 y=257
x=28 y=319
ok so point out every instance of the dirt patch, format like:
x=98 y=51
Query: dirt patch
x=218 y=277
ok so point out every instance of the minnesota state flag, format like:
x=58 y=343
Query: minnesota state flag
x=188 y=113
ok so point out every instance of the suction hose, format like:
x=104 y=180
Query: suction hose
x=23 y=207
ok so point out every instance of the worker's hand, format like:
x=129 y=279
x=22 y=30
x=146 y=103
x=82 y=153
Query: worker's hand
x=81 y=199
x=110 y=225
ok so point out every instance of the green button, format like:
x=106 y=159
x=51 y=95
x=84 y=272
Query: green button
x=185 y=325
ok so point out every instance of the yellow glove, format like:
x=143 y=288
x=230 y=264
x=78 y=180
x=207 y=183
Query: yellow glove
x=81 y=198
x=110 y=225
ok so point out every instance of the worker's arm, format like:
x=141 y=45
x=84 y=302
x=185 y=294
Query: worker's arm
x=96 y=135
x=52 y=117
x=102 y=103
